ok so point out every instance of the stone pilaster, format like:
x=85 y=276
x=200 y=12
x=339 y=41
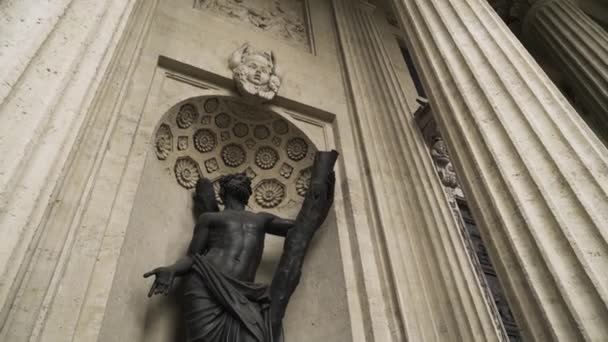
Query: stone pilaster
x=578 y=47
x=54 y=55
x=433 y=287
x=536 y=177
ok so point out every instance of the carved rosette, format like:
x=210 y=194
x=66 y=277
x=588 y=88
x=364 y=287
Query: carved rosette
x=303 y=182
x=286 y=170
x=205 y=140
x=240 y=130
x=164 y=142
x=222 y=120
x=266 y=157
x=211 y=165
x=297 y=149
x=231 y=137
x=182 y=143
x=280 y=127
x=211 y=105
x=269 y=193
x=233 y=155
x=186 y=116
x=261 y=132
x=187 y=172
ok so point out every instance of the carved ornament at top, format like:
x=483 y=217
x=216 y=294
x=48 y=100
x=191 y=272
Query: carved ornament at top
x=255 y=73
x=283 y=19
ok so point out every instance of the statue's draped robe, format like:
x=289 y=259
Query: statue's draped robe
x=219 y=308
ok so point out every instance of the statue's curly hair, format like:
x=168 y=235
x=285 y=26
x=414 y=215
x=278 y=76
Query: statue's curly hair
x=238 y=184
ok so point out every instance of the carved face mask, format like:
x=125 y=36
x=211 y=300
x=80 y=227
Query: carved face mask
x=258 y=69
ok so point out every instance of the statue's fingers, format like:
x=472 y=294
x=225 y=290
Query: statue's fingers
x=160 y=289
x=152 y=288
x=147 y=274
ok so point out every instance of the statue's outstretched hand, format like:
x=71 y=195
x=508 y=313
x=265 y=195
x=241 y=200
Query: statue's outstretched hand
x=163 y=281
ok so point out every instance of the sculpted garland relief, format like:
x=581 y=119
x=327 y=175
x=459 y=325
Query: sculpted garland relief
x=216 y=136
x=283 y=19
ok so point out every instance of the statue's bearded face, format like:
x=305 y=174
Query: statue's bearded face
x=257 y=69
x=237 y=186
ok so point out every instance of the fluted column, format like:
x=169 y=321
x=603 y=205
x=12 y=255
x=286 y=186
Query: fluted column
x=536 y=177
x=434 y=289
x=578 y=47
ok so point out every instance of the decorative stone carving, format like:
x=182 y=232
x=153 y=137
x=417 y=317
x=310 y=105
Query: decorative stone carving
x=211 y=105
x=303 y=182
x=205 y=140
x=216 y=190
x=236 y=136
x=266 y=157
x=240 y=129
x=440 y=156
x=211 y=165
x=286 y=170
x=222 y=120
x=164 y=142
x=296 y=149
x=250 y=173
x=187 y=172
x=233 y=155
x=280 y=126
x=276 y=141
x=250 y=143
x=261 y=132
x=182 y=143
x=280 y=18
x=269 y=193
x=255 y=73
x=186 y=116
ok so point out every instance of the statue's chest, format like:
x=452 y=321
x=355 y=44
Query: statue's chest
x=238 y=232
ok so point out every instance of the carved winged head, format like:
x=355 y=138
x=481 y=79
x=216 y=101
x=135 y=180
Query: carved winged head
x=236 y=185
x=255 y=73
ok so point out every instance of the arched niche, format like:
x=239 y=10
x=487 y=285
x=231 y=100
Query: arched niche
x=214 y=136
x=210 y=136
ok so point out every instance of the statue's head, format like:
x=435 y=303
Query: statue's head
x=237 y=186
x=255 y=73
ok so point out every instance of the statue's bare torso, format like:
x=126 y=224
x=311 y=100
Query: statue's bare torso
x=235 y=242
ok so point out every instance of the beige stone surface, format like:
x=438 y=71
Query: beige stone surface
x=533 y=170
x=71 y=287
x=86 y=206
x=578 y=46
x=433 y=290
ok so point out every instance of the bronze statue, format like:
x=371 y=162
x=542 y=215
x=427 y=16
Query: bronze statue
x=221 y=301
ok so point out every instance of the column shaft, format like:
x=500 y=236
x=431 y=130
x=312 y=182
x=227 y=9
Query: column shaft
x=536 y=176
x=578 y=46
x=436 y=294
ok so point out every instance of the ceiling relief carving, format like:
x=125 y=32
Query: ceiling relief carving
x=255 y=73
x=284 y=19
x=211 y=137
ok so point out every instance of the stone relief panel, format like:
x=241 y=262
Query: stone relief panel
x=215 y=136
x=284 y=19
